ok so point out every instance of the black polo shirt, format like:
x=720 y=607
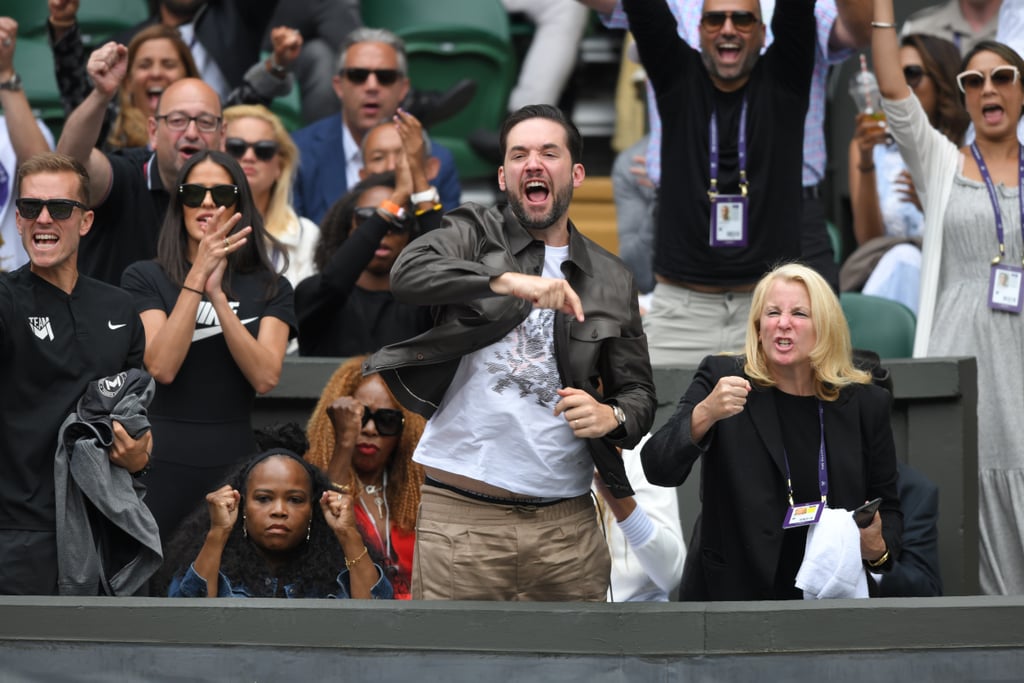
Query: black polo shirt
x=128 y=221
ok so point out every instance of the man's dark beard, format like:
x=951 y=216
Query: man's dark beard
x=558 y=209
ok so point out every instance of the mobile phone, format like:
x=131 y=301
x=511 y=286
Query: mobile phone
x=863 y=515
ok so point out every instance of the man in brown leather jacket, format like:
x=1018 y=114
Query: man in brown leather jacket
x=535 y=370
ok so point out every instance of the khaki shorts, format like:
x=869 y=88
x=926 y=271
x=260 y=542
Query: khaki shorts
x=473 y=550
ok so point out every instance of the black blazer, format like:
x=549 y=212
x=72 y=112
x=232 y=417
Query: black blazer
x=736 y=545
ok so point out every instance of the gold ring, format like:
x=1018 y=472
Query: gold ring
x=227 y=243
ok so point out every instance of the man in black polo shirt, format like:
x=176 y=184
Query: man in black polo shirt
x=58 y=332
x=732 y=164
x=131 y=186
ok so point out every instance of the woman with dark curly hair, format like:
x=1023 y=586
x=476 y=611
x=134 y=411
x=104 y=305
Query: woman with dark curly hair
x=294 y=538
x=364 y=439
x=347 y=308
x=887 y=217
x=217 y=317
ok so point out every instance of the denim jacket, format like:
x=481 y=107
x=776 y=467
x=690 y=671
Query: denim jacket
x=450 y=269
x=192 y=585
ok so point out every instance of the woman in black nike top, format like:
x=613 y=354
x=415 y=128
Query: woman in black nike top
x=217 y=319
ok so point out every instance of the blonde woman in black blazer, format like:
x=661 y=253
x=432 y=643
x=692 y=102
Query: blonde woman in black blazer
x=750 y=416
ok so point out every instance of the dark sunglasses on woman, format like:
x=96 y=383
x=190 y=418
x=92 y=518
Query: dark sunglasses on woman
x=265 y=150
x=59 y=209
x=389 y=422
x=363 y=213
x=913 y=73
x=193 y=194
x=1001 y=76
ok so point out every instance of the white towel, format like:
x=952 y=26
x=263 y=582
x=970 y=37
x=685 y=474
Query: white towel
x=832 y=566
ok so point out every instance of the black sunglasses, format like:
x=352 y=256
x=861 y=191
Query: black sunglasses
x=364 y=213
x=913 y=73
x=389 y=422
x=265 y=150
x=59 y=208
x=743 y=21
x=359 y=75
x=192 y=194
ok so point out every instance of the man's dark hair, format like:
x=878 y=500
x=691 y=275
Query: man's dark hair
x=573 y=139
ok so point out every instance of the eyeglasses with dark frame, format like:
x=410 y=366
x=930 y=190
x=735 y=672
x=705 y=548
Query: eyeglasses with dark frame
x=743 y=21
x=358 y=75
x=389 y=422
x=265 y=150
x=913 y=74
x=59 y=209
x=193 y=194
x=179 y=120
x=1001 y=76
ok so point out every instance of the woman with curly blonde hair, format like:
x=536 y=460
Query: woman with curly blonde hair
x=364 y=439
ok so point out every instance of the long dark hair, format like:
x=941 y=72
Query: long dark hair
x=311 y=568
x=941 y=61
x=337 y=222
x=172 y=245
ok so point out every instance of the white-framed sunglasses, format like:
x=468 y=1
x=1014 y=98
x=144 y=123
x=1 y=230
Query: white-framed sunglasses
x=1000 y=76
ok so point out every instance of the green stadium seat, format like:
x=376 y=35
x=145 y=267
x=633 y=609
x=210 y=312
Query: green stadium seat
x=98 y=20
x=881 y=325
x=33 y=61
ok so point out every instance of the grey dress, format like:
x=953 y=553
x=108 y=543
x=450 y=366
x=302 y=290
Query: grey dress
x=964 y=325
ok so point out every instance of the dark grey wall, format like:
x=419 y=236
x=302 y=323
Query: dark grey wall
x=149 y=639
x=934 y=423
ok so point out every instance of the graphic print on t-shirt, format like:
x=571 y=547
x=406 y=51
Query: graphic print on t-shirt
x=41 y=327
x=207 y=322
x=525 y=359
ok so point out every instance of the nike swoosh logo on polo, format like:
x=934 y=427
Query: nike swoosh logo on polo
x=213 y=331
x=114 y=326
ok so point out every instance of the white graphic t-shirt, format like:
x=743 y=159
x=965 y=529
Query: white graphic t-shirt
x=496 y=423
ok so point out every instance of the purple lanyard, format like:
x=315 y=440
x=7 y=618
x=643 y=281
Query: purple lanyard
x=990 y=186
x=822 y=468
x=713 y=134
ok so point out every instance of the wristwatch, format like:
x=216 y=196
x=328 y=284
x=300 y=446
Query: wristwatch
x=13 y=84
x=275 y=68
x=428 y=195
x=620 y=415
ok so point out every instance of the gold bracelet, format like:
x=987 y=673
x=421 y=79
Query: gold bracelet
x=343 y=488
x=435 y=207
x=880 y=561
x=351 y=563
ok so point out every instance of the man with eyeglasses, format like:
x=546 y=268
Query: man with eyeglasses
x=719 y=227
x=371 y=82
x=59 y=331
x=130 y=185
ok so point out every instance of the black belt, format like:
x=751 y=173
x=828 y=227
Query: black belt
x=484 y=498
x=812 y=191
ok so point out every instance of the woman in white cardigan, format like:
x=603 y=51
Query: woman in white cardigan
x=970 y=302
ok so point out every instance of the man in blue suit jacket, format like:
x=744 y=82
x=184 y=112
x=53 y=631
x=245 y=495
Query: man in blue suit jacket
x=371 y=82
